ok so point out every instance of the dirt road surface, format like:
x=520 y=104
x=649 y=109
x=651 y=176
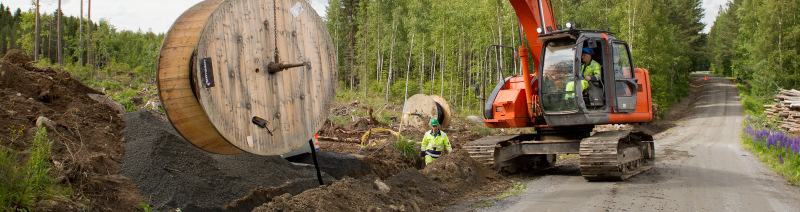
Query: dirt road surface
x=700 y=166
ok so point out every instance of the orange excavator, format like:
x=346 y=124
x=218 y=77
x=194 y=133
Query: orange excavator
x=562 y=104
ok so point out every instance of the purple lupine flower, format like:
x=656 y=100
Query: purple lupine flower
x=780 y=159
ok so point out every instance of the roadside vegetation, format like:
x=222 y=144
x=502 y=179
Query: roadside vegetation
x=25 y=178
x=777 y=149
x=761 y=53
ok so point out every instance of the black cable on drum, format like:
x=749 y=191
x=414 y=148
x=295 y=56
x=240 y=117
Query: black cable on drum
x=440 y=110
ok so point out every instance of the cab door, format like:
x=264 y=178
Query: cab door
x=624 y=80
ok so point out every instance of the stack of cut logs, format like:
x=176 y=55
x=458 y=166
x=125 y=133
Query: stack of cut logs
x=787 y=108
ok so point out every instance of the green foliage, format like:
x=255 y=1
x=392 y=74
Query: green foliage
x=22 y=185
x=123 y=98
x=752 y=105
x=374 y=43
x=757 y=41
x=16 y=132
x=146 y=207
x=408 y=149
x=122 y=62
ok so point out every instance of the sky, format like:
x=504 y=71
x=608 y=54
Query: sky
x=155 y=15
x=158 y=15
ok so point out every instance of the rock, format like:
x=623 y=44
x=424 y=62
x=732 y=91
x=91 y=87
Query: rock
x=381 y=186
x=106 y=100
x=16 y=56
x=153 y=104
x=44 y=121
x=477 y=120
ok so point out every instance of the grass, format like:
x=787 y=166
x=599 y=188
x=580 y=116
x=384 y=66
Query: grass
x=777 y=150
x=408 y=149
x=146 y=207
x=516 y=189
x=23 y=184
x=118 y=81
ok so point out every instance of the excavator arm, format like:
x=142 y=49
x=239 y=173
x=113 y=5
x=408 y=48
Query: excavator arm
x=533 y=15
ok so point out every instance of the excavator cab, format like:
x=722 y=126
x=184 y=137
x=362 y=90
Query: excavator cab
x=566 y=98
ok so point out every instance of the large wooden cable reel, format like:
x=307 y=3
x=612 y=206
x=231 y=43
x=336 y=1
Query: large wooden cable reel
x=257 y=76
x=420 y=109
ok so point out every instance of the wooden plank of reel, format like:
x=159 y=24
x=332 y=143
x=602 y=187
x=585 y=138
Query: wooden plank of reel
x=253 y=76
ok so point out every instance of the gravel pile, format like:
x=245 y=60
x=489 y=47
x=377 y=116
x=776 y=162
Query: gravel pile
x=172 y=173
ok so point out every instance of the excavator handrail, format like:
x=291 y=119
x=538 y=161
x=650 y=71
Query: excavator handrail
x=575 y=31
x=482 y=96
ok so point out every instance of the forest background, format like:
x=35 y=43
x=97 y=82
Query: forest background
x=389 y=50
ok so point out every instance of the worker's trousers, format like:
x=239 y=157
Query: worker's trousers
x=429 y=159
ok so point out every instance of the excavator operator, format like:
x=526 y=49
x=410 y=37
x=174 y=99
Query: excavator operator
x=590 y=71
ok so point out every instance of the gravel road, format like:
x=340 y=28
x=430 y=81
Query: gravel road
x=700 y=166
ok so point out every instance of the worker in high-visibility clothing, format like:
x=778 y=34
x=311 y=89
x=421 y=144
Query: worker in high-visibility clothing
x=434 y=143
x=590 y=71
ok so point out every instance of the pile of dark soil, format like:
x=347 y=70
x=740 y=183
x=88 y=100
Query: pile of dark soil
x=172 y=173
x=87 y=147
x=453 y=177
x=16 y=56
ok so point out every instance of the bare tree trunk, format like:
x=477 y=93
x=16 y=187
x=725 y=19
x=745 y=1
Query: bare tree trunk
x=89 y=38
x=36 y=37
x=500 y=34
x=50 y=40
x=443 y=62
x=364 y=82
x=633 y=27
x=422 y=70
x=433 y=70
x=60 y=48
x=458 y=69
x=379 y=54
x=450 y=91
x=410 y=50
x=351 y=44
x=391 y=62
x=80 y=37
x=780 y=33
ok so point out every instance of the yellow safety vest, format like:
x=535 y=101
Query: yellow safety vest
x=434 y=145
x=593 y=69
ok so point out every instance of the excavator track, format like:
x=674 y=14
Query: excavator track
x=616 y=155
x=482 y=153
x=482 y=150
